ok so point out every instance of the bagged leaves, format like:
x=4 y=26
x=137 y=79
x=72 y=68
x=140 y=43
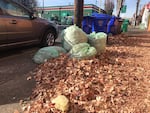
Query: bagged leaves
x=46 y=53
x=83 y=51
x=73 y=35
x=98 y=40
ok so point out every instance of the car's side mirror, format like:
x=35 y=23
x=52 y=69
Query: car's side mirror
x=32 y=16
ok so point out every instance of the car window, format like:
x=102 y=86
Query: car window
x=1 y=11
x=13 y=9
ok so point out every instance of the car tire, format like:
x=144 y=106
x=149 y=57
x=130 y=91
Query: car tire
x=49 y=38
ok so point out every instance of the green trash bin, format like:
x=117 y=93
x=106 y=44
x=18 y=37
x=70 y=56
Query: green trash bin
x=124 y=26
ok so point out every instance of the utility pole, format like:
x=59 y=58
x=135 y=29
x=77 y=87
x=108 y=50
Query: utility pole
x=100 y=4
x=43 y=8
x=120 y=6
x=137 y=8
x=78 y=12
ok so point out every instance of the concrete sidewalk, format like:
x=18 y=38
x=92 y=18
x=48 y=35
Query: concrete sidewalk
x=137 y=31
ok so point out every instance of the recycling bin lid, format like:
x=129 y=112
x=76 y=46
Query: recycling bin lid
x=99 y=15
x=91 y=17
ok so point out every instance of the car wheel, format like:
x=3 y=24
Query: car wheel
x=49 y=38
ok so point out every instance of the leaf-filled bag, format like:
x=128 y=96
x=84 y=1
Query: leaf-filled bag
x=98 y=40
x=73 y=35
x=83 y=51
x=46 y=53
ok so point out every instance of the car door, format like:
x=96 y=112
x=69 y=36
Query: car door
x=18 y=23
x=3 y=39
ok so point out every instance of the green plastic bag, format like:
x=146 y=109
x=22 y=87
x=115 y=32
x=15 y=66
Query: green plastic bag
x=43 y=54
x=83 y=51
x=73 y=35
x=98 y=40
x=65 y=44
x=59 y=49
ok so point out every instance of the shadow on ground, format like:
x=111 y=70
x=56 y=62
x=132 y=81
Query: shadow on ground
x=14 y=66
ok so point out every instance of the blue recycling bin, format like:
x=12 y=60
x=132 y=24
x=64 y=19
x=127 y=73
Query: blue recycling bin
x=100 y=22
x=96 y=22
x=114 y=25
x=118 y=25
x=111 y=26
x=88 y=24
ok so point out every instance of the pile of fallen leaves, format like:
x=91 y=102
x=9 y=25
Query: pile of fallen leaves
x=113 y=82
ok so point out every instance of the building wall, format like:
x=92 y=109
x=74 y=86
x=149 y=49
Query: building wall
x=63 y=11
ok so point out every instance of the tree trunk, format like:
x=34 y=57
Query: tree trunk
x=109 y=6
x=78 y=12
x=136 y=14
x=119 y=6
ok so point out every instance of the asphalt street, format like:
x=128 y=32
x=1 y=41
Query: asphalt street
x=15 y=66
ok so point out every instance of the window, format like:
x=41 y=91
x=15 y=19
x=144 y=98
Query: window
x=1 y=7
x=13 y=9
x=1 y=11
